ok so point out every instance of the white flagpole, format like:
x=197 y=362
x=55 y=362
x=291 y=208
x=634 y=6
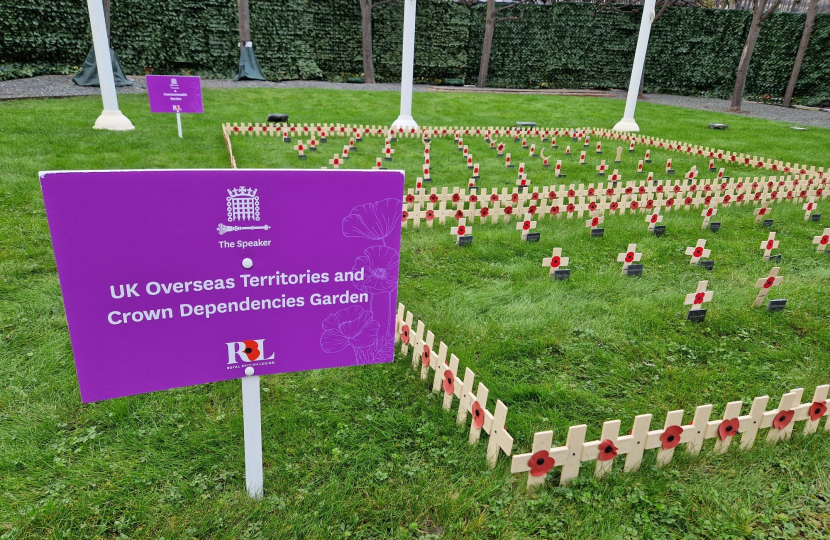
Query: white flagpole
x=111 y=118
x=627 y=123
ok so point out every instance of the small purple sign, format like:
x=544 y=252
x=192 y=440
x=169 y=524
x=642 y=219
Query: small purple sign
x=175 y=278
x=174 y=93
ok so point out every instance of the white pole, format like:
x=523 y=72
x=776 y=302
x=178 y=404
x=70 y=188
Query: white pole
x=627 y=123
x=252 y=419
x=179 y=123
x=111 y=118
x=405 y=120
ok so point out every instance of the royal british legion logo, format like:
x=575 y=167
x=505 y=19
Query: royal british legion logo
x=250 y=350
x=243 y=205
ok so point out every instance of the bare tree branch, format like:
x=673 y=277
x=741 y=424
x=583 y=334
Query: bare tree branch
x=770 y=11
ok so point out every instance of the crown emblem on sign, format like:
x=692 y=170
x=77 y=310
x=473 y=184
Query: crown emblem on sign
x=243 y=204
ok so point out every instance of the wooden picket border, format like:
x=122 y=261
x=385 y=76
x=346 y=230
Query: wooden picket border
x=519 y=133
x=544 y=457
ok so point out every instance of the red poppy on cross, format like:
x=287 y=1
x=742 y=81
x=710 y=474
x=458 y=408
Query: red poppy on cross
x=822 y=240
x=629 y=256
x=764 y=284
x=335 y=161
x=556 y=261
x=768 y=245
x=808 y=208
x=698 y=251
x=461 y=230
x=697 y=298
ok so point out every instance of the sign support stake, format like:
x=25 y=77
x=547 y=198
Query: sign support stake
x=179 y=123
x=252 y=419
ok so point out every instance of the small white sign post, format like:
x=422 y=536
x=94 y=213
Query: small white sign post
x=405 y=119
x=111 y=118
x=627 y=123
x=252 y=421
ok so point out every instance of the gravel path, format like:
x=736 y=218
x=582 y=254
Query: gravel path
x=62 y=86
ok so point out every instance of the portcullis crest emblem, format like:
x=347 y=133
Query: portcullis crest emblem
x=243 y=205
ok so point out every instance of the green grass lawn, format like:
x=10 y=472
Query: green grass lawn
x=368 y=452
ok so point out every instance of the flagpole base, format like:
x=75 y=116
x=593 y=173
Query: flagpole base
x=406 y=122
x=113 y=121
x=627 y=124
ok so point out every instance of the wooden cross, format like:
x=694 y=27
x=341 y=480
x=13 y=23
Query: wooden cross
x=532 y=150
x=556 y=261
x=768 y=245
x=599 y=148
x=312 y=143
x=668 y=166
x=461 y=230
x=335 y=161
x=500 y=150
x=345 y=151
x=582 y=158
x=470 y=161
x=545 y=159
x=299 y=147
x=475 y=170
x=640 y=166
x=615 y=176
x=526 y=225
x=630 y=256
x=822 y=240
x=698 y=251
x=595 y=221
x=521 y=169
x=808 y=208
x=558 y=168
x=507 y=160
x=522 y=181
x=761 y=212
x=654 y=218
x=378 y=163
x=618 y=159
x=500 y=439
x=387 y=152
x=601 y=168
x=648 y=156
x=697 y=298
x=567 y=150
x=707 y=214
x=764 y=284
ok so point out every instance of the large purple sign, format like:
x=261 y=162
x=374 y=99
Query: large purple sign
x=175 y=278
x=174 y=93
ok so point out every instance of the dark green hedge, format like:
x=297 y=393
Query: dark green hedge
x=563 y=45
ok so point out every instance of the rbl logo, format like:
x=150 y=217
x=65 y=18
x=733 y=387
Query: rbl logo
x=247 y=351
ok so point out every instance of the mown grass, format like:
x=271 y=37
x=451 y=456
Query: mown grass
x=368 y=452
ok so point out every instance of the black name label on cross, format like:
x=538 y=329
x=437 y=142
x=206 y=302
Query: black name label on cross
x=532 y=237
x=714 y=226
x=598 y=232
x=708 y=265
x=815 y=217
x=775 y=258
x=659 y=230
x=635 y=270
x=561 y=274
x=776 y=305
x=768 y=223
x=696 y=315
x=465 y=240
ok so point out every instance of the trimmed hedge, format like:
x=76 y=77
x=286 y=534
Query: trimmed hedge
x=692 y=51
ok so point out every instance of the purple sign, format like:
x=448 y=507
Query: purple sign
x=175 y=278
x=174 y=93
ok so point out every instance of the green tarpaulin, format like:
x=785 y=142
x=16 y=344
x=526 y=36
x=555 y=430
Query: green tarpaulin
x=248 y=66
x=88 y=76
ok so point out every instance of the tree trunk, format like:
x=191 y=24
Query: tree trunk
x=106 y=4
x=489 y=27
x=802 y=48
x=366 y=25
x=244 y=22
x=746 y=56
